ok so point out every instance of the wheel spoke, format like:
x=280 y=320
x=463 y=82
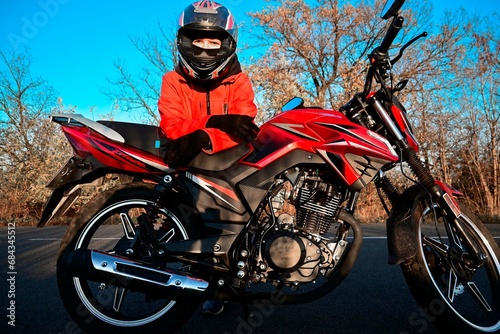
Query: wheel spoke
x=167 y=236
x=452 y=285
x=462 y=267
x=438 y=246
x=452 y=236
x=478 y=296
x=118 y=298
x=128 y=227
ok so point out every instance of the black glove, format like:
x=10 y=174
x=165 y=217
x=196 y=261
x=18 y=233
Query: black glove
x=181 y=151
x=239 y=126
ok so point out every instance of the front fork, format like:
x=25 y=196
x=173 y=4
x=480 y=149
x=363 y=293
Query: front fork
x=439 y=192
x=423 y=174
x=443 y=195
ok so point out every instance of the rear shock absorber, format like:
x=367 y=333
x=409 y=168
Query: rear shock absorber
x=145 y=233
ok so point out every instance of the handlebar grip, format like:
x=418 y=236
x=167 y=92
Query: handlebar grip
x=391 y=34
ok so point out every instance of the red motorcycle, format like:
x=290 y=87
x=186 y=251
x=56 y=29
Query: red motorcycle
x=271 y=221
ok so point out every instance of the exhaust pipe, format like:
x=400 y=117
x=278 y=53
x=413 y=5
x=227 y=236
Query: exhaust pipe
x=136 y=276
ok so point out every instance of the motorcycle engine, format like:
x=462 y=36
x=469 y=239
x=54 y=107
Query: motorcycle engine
x=294 y=246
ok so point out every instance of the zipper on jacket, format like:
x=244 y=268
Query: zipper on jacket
x=208 y=102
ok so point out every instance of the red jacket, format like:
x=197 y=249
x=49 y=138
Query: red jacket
x=185 y=106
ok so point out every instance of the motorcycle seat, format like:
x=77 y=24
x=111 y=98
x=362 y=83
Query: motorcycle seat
x=145 y=137
x=149 y=138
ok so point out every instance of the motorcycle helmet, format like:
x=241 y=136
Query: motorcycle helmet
x=206 y=20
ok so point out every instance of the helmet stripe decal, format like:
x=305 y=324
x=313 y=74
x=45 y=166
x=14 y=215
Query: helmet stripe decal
x=230 y=22
x=206 y=6
x=181 y=20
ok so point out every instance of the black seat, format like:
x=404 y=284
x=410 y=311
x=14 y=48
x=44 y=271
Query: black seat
x=145 y=137
x=149 y=138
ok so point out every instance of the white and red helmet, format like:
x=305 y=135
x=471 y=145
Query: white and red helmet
x=206 y=19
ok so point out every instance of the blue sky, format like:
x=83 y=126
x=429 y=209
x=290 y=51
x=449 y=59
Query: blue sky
x=74 y=43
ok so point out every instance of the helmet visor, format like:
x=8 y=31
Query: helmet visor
x=206 y=48
x=205 y=45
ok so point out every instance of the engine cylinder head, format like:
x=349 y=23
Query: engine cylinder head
x=316 y=211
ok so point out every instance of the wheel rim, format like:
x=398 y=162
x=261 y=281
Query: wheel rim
x=109 y=231
x=470 y=292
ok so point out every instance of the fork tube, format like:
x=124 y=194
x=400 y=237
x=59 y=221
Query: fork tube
x=386 y=118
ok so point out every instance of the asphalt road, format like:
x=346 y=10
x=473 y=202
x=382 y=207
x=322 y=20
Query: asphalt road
x=372 y=299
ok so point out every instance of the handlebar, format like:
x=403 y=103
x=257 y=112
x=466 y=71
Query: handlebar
x=391 y=34
x=380 y=63
x=413 y=40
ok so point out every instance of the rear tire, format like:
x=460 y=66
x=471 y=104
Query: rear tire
x=454 y=294
x=107 y=224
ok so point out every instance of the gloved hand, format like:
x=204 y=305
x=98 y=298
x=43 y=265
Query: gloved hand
x=181 y=151
x=239 y=126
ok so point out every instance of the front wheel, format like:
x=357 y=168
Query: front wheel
x=455 y=275
x=108 y=224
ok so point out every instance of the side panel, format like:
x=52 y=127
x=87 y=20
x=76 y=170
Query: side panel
x=113 y=154
x=214 y=193
x=234 y=194
x=354 y=152
x=255 y=187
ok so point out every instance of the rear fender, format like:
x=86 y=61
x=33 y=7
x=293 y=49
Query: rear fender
x=59 y=203
x=67 y=186
x=63 y=198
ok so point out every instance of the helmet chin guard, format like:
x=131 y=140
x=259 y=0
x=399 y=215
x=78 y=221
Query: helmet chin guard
x=206 y=72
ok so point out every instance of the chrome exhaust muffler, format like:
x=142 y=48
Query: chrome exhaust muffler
x=134 y=275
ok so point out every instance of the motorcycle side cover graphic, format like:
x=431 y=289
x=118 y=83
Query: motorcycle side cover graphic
x=266 y=219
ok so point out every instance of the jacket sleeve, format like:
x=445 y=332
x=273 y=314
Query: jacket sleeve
x=243 y=104
x=176 y=120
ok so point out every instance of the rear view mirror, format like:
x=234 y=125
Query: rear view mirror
x=294 y=103
x=392 y=8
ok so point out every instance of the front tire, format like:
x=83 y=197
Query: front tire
x=108 y=224
x=455 y=291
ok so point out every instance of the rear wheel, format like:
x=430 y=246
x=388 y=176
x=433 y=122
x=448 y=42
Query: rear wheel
x=108 y=224
x=457 y=288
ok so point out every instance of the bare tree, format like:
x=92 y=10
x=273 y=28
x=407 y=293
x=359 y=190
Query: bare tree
x=318 y=51
x=137 y=91
x=314 y=51
x=31 y=149
x=480 y=103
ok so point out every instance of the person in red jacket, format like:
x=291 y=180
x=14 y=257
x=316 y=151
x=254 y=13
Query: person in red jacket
x=206 y=102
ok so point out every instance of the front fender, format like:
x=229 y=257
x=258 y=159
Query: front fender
x=401 y=227
x=449 y=189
